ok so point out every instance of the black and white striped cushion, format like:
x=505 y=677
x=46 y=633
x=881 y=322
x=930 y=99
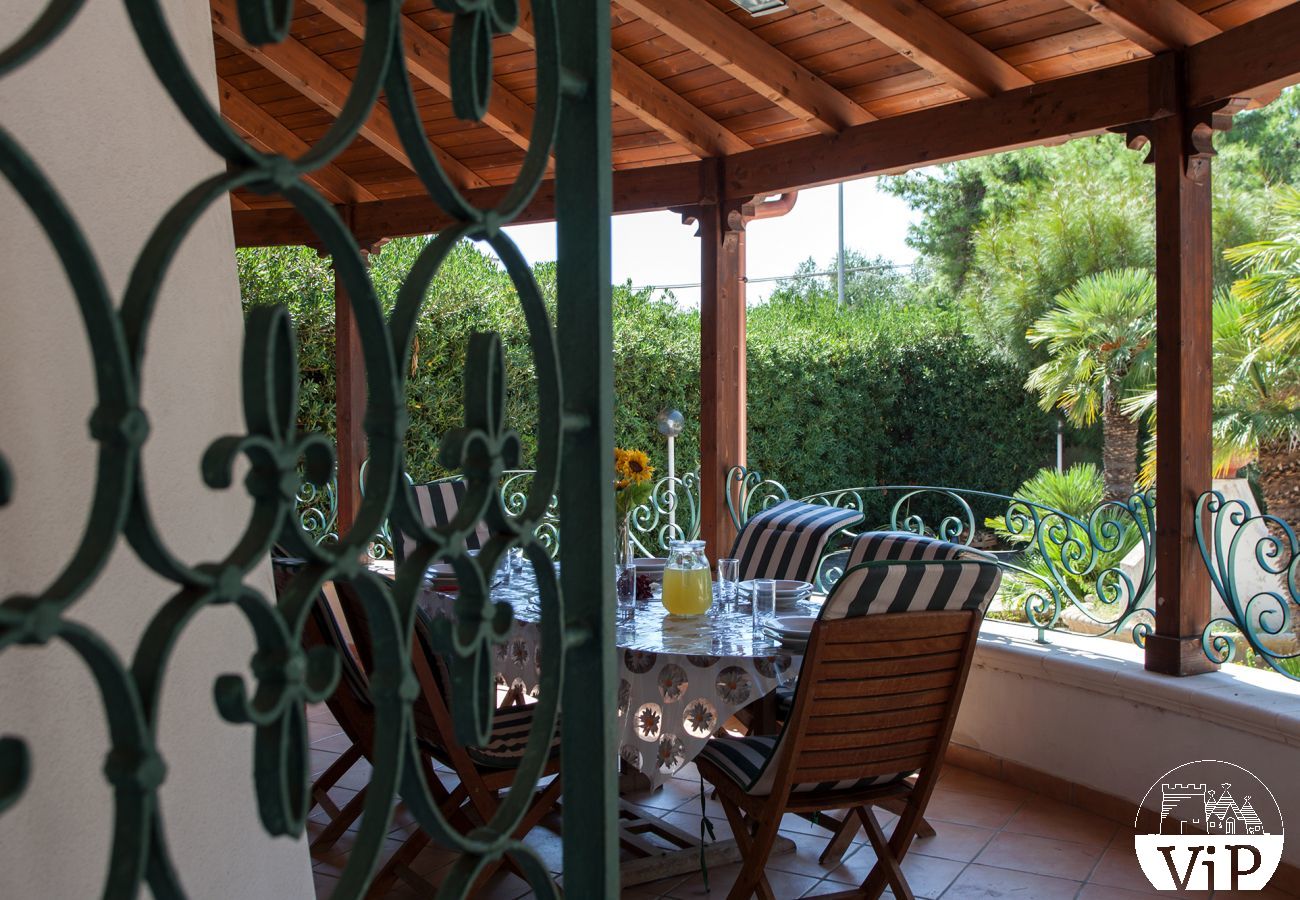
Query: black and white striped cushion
x=509 y=739
x=746 y=760
x=873 y=545
x=786 y=540
x=931 y=575
x=437 y=503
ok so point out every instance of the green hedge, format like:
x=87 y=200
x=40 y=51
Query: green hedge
x=860 y=396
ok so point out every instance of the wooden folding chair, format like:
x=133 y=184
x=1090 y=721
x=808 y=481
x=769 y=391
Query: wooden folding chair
x=882 y=677
x=482 y=773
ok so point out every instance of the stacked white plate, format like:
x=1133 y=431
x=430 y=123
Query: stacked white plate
x=442 y=577
x=788 y=593
x=791 y=631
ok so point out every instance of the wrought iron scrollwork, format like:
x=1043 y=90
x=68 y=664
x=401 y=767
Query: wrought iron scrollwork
x=1061 y=566
x=276 y=457
x=1262 y=612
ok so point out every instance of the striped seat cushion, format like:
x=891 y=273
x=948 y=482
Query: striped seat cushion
x=786 y=540
x=873 y=545
x=438 y=502
x=913 y=586
x=509 y=739
x=746 y=761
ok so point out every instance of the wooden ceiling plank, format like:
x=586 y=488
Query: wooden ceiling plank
x=654 y=103
x=313 y=77
x=265 y=133
x=1154 y=25
x=1259 y=56
x=711 y=34
x=429 y=60
x=934 y=44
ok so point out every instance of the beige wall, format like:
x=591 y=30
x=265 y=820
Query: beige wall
x=91 y=112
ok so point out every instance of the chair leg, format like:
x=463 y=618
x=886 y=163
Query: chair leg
x=336 y=770
x=342 y=820
x=897 y=806
x=755 y=845
x=840 y=841
x=887 y=863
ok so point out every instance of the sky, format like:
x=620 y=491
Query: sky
x=657 y=249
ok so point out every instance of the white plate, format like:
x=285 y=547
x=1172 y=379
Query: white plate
x=649 y=562
x=784 y=588
x=793 y=625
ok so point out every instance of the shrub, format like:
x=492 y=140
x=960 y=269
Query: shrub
x=859 y=396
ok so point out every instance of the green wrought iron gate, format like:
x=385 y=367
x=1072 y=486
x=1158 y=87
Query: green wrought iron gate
x=575 y=385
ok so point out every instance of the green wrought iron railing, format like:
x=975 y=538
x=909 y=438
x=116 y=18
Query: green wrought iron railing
x=1060 y=571
x=572 y=358
x=1086 y=574
x=1253 y=559
x=672 y=512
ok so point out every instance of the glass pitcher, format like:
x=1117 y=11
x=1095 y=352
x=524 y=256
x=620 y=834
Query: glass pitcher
x=688 y=586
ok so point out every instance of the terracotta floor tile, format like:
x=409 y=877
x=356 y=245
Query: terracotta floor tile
x=985 y=883
x=1047 y=818
x=318 y=730
x=1119 y=867
x=808 y=848
x=1040 y=855
x=953 y=841
x=970 y=809
x=1107 y=892
x=928 y=876
x=335 y=743
x=784 y=884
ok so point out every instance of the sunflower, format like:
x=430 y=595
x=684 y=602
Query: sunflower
x=633 y=466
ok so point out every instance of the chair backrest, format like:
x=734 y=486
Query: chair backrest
x=873 y=545
x=350 y=703
x=883 y=673
x=438 y=502
x=787 y=540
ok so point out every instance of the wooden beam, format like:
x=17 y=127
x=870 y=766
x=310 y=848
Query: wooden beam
x=710 y=33
x=429 y=61
x=934 y=44
x=1184 y=383
x=349 y=405
x=265 y=132
x=237 y=205
x=723 y=395
x=1062 y=108
x=1261 y=54
x=635 y=190
x=656 y=104
x=1154 y=25
x=297 y=66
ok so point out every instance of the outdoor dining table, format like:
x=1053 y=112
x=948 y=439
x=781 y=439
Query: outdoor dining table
x=680 y=677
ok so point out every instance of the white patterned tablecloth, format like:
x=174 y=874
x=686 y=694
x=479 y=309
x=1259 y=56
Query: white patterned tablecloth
x=681 y=678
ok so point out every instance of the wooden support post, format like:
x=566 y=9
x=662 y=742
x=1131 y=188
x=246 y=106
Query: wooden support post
x=350 y=405
x=1181 y=151
x=722 y=363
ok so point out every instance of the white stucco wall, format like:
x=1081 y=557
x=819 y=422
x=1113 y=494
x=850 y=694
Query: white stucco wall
x=1085 y=710
x=90 y=111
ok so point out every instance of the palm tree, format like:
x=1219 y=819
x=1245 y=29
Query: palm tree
x=1101 y=347
x=1272 y=275
x=1256 y=403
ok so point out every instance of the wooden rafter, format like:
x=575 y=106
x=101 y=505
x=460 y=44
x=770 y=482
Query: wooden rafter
x=1154 y=25
x=297 y=66
x=929 y=40
x=710 y=33
x=264 y=132
x=429 y=60
x=656 y=104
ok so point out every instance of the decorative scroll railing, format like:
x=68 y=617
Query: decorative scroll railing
x=1086 y=574
x=672 y=512
x=1257 y=623
x=570 y=356
x=1060 y=571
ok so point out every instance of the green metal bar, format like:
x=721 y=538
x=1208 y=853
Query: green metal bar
x=586 y=335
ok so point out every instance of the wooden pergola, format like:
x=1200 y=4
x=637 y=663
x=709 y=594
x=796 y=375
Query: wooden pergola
x=716 y=110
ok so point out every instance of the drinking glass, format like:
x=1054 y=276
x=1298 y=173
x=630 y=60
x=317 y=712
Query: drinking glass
x=625 y=588
x=764 y=601
x=728 y=582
